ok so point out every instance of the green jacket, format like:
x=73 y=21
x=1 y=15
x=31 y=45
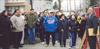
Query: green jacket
x=31 y=20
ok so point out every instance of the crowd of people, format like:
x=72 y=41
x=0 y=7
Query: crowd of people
x=46 y=25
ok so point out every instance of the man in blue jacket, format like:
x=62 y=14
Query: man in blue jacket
x=50 y=26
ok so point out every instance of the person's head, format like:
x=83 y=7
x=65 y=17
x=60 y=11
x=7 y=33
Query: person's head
x=72 y=12
x=62 y=16
x=31 y=10
x=17 y=12
x=73 y=17
x=68 y=17
x=45 y=13
x=79 y=18
x=9 y=14
x=35 y=13
x=58 y=13
x=97 y=5
x=28 y=12
x=22 y=11
x=90 y=10
x=51 y=14
x=83 y=17
x=46 y=10
x=4 y=13
x=41 y=14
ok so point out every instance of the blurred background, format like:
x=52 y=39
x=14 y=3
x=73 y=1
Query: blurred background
x=40 y=5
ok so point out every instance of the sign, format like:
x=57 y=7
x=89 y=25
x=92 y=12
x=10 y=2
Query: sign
x=39 y=6
x=97 y=11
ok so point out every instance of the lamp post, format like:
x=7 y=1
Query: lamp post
x=31 y=2
x=59 y=5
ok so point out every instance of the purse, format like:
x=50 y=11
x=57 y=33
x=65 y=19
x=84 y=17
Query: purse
x=91 y=32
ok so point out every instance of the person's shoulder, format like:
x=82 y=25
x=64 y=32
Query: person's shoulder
x=45 y=17
x=13 y=16
x=54 y=17
x=22 y=16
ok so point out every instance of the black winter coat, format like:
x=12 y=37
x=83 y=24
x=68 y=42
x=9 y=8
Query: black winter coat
x=5 y=30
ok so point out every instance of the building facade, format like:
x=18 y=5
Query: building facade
x=2 y=5
x=41 y=5
x=17 y=4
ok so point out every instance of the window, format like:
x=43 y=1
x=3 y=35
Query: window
x=69 y=5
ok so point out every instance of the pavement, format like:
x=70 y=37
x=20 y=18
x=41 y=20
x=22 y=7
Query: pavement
x=57 y=46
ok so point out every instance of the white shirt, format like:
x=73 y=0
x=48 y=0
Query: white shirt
x=18 y=23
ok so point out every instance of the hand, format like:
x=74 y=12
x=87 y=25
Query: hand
x=62 y=30
x=69 y=28
x=78 y=29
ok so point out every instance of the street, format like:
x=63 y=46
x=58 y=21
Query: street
x=57 y=46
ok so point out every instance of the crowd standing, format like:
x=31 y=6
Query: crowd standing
x=16 y=27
